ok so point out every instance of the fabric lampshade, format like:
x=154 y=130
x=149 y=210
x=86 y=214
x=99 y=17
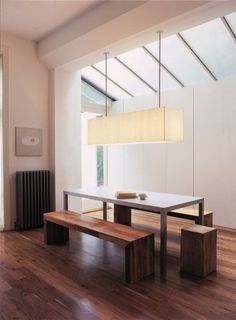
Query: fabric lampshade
x=146 y=126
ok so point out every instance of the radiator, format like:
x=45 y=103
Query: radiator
x=32 y=198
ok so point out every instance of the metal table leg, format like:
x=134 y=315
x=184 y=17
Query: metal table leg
x=65 y=201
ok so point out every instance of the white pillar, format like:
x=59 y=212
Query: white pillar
x=65 y=132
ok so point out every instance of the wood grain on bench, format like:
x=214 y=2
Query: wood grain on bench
x=138 y=244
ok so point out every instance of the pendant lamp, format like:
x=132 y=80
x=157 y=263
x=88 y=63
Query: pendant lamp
x=156 y=125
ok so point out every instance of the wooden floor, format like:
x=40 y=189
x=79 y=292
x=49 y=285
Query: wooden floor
x=84 y=279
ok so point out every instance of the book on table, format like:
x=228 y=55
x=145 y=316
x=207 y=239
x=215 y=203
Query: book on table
x=125 y=194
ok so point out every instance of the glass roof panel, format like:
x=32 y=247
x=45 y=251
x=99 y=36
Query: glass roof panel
x=147 y=68
x=231 y=19
x=214 y=45
x=179 y=61
x=98 y=80
x=211 y=41
x=124 y=77
x=91 y=95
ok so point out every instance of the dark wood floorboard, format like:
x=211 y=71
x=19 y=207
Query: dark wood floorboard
x=84 y=279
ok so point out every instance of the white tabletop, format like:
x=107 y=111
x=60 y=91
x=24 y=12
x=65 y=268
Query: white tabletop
x=155 y=201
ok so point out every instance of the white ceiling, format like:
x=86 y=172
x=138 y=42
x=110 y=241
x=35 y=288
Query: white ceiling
x=35 y=19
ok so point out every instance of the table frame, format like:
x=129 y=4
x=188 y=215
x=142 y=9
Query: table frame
x=162 y=211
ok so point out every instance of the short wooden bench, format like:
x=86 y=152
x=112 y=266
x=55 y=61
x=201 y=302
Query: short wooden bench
x=138 y=244
x=122 y=214
x=192 y=214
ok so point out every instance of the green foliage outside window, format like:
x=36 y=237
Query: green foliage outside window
x=100 y=170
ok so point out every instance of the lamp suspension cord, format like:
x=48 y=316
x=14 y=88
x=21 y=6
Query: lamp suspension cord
x=159 y=89
x=106 y=53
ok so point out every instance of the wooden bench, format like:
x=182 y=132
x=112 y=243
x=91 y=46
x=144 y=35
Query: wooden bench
x=122 y=214
x=138 y=244
x=192 y=214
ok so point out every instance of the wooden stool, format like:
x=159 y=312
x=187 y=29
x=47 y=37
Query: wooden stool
x=198 y=250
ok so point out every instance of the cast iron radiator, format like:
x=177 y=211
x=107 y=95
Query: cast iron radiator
x=32 y=198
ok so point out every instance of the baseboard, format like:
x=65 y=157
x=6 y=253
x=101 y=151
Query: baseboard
x=224 y=228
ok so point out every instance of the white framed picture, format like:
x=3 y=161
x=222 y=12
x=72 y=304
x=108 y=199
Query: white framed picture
x=28 y=142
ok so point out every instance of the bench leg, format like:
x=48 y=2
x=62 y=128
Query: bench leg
x=139 y=259
x=104 y=210
x=208 y=220
x=54 y=233
x=122 y=214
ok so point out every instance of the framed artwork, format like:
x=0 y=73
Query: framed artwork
x=28 y=142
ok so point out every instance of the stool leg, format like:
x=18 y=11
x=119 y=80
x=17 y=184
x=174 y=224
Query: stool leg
x=54 y=233
x=139 y=259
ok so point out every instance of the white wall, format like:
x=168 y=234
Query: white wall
x=144 y=166
x=65 y=131
x=88 y=154
x=26 y=101
x=203 y=165
x=215 y=149
x=1 y=147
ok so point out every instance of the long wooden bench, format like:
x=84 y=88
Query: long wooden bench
x=138 y=244
x=192 y=214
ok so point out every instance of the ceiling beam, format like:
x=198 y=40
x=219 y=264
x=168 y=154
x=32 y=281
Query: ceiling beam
x=163 y=66
x=81 y=42
x=228 y=28
x=190 y=49
x=135 y=74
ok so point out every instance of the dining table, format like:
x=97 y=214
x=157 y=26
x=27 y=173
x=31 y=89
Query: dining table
x=155 y=202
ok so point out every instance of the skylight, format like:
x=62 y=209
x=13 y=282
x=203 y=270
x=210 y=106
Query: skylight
x=214 y=45
x=201 y=54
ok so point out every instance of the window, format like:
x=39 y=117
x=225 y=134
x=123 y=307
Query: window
x=100 y=165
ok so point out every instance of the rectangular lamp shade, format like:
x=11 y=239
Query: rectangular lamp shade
x=146 y=126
